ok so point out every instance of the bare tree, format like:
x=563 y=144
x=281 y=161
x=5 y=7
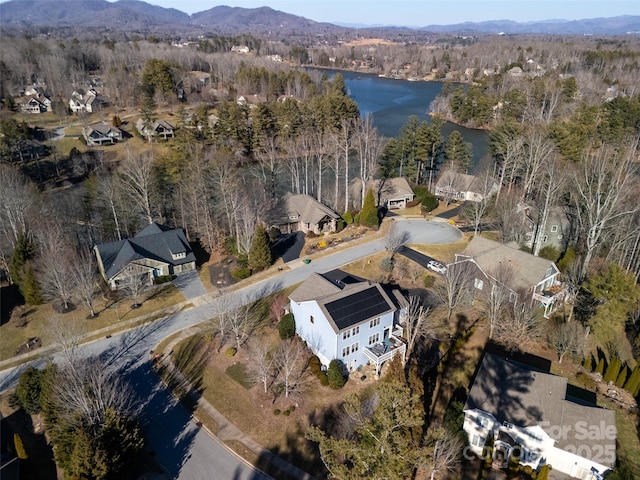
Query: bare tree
x=262 y=363
x=496 y=294
x=136 y=181
x=291 y=361
x=477 y=210
x=18 y=201
x=550 y=185
x=243 y=322
x=603 y=185
x=368 y=145
x=537 y=150
x=518 y=327
x=85 y=279
x=277 y=308
x=395 y=238
x=446 y=447
x=56 y=274
x=568 y=338
x=135 y=281
x=415 y=323
x=453 y=288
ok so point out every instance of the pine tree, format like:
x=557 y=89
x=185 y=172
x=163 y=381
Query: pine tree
x=29 y=287
x=633 y=382
x=612 y=370
x=622 y=377
x=369 y=212
x=334 y=373
x=600 y=367
x=260 y=256
x=587 y=364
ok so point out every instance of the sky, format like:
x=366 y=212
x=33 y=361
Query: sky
x=424 y=12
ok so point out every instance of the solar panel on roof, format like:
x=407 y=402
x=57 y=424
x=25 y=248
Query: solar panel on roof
x=356 y=308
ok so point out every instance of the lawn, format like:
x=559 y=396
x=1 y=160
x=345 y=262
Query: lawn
x=38 y=320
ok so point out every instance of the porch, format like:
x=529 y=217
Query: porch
x=390 y=346
x=551 y=298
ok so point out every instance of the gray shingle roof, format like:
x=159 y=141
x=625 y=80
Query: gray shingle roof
x=338 y=290
x=306 y=209
x=516 y=393
x=528 y=269
x=155 y=242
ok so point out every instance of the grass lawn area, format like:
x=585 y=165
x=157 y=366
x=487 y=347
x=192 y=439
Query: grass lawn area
x=39 y=318
x=628 y=441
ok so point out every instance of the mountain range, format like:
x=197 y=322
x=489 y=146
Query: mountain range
x=136 y=15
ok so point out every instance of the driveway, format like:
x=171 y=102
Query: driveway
x=418 y=257
x=190 y=285
x=181 y=445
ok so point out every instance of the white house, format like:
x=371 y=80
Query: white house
x=459 y=186
x=532 y=416
x=534 y=277
x=344 y=317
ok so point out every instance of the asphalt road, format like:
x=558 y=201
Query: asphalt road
x=185 y=450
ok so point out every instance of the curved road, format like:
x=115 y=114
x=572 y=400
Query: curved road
x=185 y=450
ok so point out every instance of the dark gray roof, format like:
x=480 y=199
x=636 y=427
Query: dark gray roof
x=516 y=393
x=346 y=300
x=155 y=242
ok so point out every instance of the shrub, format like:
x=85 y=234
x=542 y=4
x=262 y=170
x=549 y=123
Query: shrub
x=334 y=374
x=231 y=352
x=425 y=197
x=567 y=260
x=587 y=363
x=287 y=326
x=622 y=377
x=286 y=413
x=550 y=253
x=613 y=369
x=231 y=246
x=347 y=217
x=428 y=280
x=241 y=273
x=162 y=279
x=324 y=380
x=311 y=234
x=386 y=264
x=292 y=408
x=586 y=380
x=314 y=364
x=276 y=412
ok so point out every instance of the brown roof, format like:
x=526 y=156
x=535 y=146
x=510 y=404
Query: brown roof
x=307 y=209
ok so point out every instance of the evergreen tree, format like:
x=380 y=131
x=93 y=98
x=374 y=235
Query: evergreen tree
x=260 y=257
x=21 y=453
x=457 y=152
x=613 y=369
x=369 y=212
x=600 y=367
x=287 y=326
x=632 y=384
x=622 y=377
x=29 y=288
x=28 y=390
x=334 y=373
x=23 y=251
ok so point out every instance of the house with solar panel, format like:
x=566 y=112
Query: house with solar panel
x=344 y=317
x=156 y=251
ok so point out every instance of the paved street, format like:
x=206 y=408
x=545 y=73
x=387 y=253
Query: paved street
x=184 y=449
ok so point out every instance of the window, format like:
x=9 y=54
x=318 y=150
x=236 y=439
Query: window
x=478 y=283
x=346 y=334
x=482 y=422
x=544 y=239
x=311 y=318
x=512 y=297
x=554 y=228
x=374 y=323
x=373 y=339
x=349 y=349
x=355 y=331
x=178 y=256
x=560 y=237
x=477 y=441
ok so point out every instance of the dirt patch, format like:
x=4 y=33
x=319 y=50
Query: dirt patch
x=220 y=268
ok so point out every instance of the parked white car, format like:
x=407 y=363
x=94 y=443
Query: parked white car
x=437 y=267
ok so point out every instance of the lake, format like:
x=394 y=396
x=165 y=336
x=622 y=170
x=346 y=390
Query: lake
x=391 y=103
